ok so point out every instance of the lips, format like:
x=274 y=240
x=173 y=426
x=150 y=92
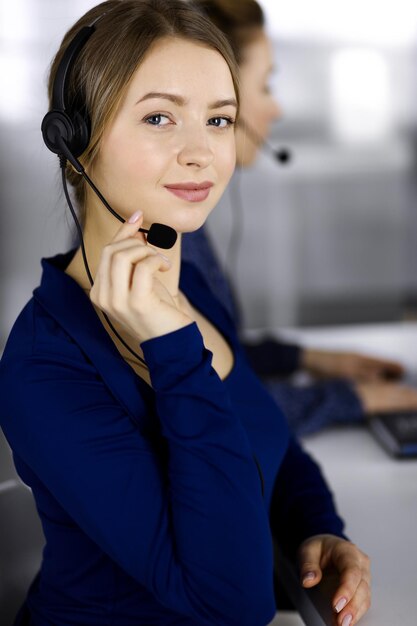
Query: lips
x=191 y=192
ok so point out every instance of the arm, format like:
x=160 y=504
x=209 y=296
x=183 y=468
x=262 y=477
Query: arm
x=302 y=503
x=273 y=358
x=351 y=365
x=308 y=529
x=314 y=407
x=190 y=525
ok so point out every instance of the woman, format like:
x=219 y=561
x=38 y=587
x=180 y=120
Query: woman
x=159 y=465
x=359 y=384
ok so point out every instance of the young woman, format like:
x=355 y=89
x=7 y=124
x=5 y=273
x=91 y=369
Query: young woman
x=359 y=384
x=159 y=465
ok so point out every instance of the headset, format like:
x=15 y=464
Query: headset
x=66 y=131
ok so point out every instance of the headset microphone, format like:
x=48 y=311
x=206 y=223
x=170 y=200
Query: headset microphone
x=281 y=155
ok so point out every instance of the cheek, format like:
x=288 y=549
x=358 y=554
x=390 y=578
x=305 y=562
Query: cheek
x=226 y=159
x=130 y=162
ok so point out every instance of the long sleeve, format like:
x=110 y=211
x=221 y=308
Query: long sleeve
x=316 y=406
x=270 y=357
x=302 y=504
x=193 y=528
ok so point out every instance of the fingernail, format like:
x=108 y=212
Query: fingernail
x=309 y=576
x=134 y=218
x=341 y=605
x=347 y=620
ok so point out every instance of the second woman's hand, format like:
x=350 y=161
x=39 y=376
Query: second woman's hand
x=351 y=365
x=127 y=288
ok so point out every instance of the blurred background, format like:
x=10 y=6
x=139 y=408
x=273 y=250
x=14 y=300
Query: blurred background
x=328 y=239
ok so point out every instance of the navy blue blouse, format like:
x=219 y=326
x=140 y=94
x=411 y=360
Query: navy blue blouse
x=150 y=497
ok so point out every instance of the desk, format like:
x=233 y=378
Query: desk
x=376 y=495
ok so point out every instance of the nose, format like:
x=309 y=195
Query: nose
x=195 y=151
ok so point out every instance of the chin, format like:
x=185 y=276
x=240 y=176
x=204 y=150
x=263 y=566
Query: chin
x=191 y=217
x=191 y=225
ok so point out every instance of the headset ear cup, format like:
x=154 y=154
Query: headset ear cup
x=82 y=130
x=57 y=124
x=74 y=131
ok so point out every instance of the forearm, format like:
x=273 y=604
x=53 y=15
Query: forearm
x=269 y=357
x=302 y=503
x=317 y=406
x=214 y=487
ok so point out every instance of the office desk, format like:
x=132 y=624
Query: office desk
x=376 y=495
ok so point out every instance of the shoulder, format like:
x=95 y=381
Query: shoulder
x=38 y=356
x=36 y=333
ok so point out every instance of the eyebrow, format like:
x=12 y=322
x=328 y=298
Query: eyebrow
x=180 y=101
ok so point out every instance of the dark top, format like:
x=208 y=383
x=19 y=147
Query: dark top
x=150 y=498
x=307 y=409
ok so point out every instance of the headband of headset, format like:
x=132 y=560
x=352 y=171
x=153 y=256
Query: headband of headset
x=66 y=123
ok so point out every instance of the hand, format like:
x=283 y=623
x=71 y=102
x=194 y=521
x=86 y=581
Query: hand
x=353 y=596
x=386 y=397
x=127 y=288
x=350 y=365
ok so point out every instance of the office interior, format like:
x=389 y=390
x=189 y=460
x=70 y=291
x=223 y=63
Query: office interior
x=326 y=240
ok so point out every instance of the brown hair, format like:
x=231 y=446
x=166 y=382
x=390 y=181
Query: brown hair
x=239 y=20
x=124 y=33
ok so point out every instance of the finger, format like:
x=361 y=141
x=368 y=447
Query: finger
x=385 y=368
x=103 y=281
x=143 y=277
x=309 y=557
x=357 y=607
x=394 y=370
x=130 y=228
x=123 y=264
x=350 y=578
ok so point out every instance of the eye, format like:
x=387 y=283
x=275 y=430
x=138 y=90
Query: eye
x=157 y=119
x=221 y=122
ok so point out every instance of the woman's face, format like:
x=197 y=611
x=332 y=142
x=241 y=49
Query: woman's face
x=170 y=150
x=258 y=108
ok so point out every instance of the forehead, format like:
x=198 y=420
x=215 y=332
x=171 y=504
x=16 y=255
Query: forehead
x=184 y=67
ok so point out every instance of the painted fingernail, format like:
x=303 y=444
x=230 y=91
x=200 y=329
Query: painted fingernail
x=347 y=620
x=341 y=605
x=309 y=576
x=134 y=218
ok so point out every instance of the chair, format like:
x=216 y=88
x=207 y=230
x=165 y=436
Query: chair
x=21 y=538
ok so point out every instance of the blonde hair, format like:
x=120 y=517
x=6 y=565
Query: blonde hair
x=124 y=34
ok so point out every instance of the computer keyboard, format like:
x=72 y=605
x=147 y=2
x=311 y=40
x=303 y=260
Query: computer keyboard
x=397 y=432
